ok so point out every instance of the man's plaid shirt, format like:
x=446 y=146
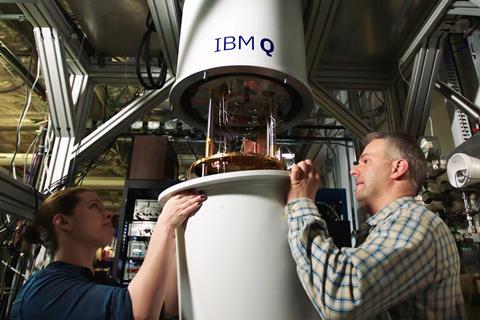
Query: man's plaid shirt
x=407 y=268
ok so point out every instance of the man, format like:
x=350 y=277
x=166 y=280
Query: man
x=407 y=267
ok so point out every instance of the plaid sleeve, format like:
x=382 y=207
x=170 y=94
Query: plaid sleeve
x=394 y=262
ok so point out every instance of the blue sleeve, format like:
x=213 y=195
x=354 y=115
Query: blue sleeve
x=59 y=295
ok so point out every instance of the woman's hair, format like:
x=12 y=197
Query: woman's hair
x=42 y=230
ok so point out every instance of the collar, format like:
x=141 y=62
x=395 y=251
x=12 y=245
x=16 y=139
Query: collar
x=388 y=210
x=82 y=271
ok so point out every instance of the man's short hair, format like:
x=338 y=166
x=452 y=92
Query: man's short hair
x=402 y=146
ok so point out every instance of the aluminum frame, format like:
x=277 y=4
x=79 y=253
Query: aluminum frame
x=95 y=142
x=60 y=103
x=346 y=117
x=424 y=74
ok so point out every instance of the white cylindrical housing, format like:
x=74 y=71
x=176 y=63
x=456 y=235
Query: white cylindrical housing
x=234 y=261
x=463 y=170
x=263 y=41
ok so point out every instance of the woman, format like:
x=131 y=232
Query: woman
x=74 y=224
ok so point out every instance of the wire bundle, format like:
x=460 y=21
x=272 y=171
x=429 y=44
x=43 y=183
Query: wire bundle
x=150 y=84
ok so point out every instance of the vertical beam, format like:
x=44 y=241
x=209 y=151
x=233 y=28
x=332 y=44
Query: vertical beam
x=52 y=61
x=82 y=97
x=60 y=104
x=354 y=104
x=424 y=75
x=345 y=158
x=166 y=17
x=59 y=165
x=395 y=100
x=353 y=101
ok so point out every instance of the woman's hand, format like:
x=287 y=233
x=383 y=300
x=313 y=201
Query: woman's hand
x=180 y=207
x=155 y=283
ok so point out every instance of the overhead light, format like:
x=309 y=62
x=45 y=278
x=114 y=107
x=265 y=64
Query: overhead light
x=153 y=125
x=288 y=156
x=137 y=125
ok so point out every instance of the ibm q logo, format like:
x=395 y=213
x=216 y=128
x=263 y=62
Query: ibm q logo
x=229 y=43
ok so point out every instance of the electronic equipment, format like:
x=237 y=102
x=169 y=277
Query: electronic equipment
x=137 y=249
x=146 y=210
x=141 y=228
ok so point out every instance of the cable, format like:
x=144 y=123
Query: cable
x=22 y=118
x=145 y=48
x=17 y=143
x=191 y=148
x=401 y=74
x=25 y=163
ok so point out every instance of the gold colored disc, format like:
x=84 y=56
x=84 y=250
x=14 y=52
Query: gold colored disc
x=234 y=161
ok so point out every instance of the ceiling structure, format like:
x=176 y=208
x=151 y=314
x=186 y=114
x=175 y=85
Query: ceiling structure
x=355 y=50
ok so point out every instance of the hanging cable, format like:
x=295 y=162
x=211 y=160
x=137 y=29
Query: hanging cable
x=22 y=117
x=150 y=84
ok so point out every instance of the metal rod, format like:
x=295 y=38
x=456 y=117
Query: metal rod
x=23 y=72
x=210 y=139
x=470 y=108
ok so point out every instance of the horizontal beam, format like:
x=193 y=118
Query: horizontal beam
x=103 y=183
x=119 y=73
x=20 y=158
x=351 y=76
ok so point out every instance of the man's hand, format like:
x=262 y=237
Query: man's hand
x=304 y=181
